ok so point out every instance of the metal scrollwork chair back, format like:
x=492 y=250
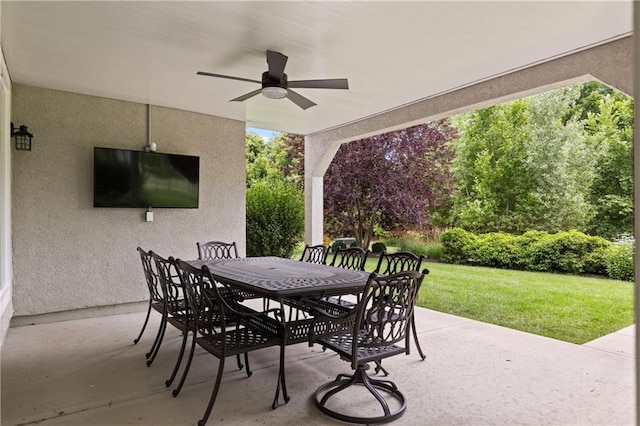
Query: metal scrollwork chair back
x=377 y=328
x=315 y=254
x=217 y=250
x=354 y=258
x=392 y=263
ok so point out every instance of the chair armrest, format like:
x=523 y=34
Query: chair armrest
x=320 y=313
x=325 y=323
x=325 y=307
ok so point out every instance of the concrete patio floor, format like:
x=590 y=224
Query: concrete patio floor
x=88 y=372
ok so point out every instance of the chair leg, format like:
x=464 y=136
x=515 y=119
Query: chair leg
x=246 y=363
x=380 y=368
x=176 y=391
x=240 y=366
x=179 y=360
x=163 y=320
x=158 y=342
x=415 y=337
x=214 y=393
x=146 y=320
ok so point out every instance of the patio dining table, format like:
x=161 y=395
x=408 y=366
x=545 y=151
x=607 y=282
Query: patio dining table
x=287 y=281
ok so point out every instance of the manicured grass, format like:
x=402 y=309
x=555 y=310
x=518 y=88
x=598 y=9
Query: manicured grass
x=572 y=308
x=566 y=307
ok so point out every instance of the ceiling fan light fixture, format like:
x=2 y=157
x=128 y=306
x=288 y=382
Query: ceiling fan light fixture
x=274 y=92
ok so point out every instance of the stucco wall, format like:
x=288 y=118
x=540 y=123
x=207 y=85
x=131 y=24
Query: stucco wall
x=69 y=255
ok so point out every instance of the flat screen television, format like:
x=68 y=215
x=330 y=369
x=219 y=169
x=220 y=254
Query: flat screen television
x=124 y=178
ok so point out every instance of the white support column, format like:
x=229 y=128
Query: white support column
x=313 y=209
x=317 y=158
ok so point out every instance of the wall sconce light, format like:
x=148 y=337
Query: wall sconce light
x=22 y=138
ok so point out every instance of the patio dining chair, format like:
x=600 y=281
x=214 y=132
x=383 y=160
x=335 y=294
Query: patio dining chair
x=392 y=263
x=353 y=258
x=223 y=327
x=156 y=301
x=176 y=312
x=214 y=250
x=377 y=328
x=315 y=254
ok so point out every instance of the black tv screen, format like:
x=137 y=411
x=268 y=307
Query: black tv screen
x=124 y=178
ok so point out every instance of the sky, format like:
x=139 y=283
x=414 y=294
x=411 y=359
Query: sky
x=266 y=134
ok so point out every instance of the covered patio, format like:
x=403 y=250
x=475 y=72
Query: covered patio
x=475 y=373
x=123 y=75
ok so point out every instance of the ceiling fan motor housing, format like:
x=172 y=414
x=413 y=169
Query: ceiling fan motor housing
x=272 y=88
x=267 y=81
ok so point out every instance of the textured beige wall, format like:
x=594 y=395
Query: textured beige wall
x=68 y=255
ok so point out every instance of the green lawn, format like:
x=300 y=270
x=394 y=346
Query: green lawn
x=566 y=307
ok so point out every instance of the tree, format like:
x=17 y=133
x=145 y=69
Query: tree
x=259 y=155
x=610 y=131
x=290 y=159
x=522 y=165
x=394 y=180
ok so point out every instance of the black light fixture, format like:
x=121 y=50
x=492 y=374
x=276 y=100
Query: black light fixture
x=22 y=138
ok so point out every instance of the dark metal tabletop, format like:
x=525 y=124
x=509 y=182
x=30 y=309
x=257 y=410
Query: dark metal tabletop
x=278 y=278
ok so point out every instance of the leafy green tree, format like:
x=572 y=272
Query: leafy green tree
x=260 y=159
x=610 y=130
x=521 y=166
x=290 y=158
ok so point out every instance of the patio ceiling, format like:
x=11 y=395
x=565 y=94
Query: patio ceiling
x=393 y=53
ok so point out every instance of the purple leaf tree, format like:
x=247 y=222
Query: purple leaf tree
x=393 y=180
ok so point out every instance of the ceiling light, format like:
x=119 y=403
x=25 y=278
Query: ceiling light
x=274 y=92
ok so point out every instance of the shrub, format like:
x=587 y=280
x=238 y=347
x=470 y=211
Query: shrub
x=378 y=247
x=495 y=249
x=620 y=261
x=563 y=252
x=338 y=245
x=596 y=261
x=275 y=219
x=571 y=251
x=456 y=243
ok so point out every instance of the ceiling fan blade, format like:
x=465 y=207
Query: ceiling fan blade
x=276 y=61
x=299 y=100
x=334 y=83
x=208 y=74
x=246 y=96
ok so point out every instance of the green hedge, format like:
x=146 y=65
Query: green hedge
x=275 y=219
x=568 y=252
